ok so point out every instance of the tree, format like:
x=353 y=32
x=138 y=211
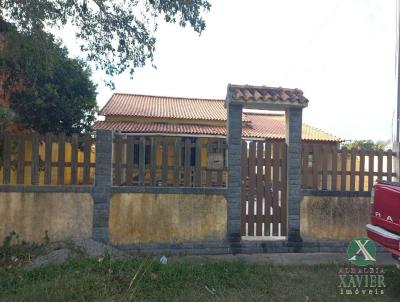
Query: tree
x=7 y=117
x=367 y=145
x=117 y=35
x=48 y=91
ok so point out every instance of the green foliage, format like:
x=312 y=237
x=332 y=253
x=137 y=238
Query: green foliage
x=367 y=145
x=57 y=94
x=7 y=116
x=117 y=35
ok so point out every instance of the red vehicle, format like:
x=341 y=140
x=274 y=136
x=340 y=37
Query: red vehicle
x=385 y=216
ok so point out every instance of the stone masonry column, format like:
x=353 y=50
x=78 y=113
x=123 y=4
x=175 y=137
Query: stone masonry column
x=234 y=137
x=102 y=184
x=293 y=141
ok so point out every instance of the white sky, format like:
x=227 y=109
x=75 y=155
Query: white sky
x=340 y=53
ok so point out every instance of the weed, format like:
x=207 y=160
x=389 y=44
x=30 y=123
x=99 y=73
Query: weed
x=16 y=253
x=46 y=238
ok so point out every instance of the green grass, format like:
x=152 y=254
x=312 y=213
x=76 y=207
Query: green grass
x=105 y=279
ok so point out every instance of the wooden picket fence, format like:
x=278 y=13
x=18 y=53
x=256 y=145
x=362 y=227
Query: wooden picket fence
x=169 y=161
x=46 y=159
x=330 y=168
x=190 y=162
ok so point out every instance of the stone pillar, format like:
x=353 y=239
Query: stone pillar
x=102 y=184
x=294 y=195
x=234 y=137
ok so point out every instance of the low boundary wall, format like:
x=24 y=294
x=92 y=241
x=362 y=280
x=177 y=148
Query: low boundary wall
x=41 y=216
x=205 y=236
x=334 y=215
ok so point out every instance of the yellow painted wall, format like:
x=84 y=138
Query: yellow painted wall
x=333 y=218
x=166 y=218
x=30 y=215
x=122 y=118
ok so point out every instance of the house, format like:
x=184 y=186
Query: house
x=196 y=118
x=202 y=121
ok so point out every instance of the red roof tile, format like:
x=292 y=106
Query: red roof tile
x=273 y=126
x=162 y=128
x=264 y=94
x=261 y=126
x=165 y=107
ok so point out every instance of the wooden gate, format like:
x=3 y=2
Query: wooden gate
x=264 y=198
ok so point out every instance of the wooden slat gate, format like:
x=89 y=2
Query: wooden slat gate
x=264 y=198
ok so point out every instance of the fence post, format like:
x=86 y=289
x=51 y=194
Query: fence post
x=102 y=184
x=396 y=149
x=293 y=141
x=234 y=137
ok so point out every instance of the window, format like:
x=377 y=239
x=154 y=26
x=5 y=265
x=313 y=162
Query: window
x=147 y=154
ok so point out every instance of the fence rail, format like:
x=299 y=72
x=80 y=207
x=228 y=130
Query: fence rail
x=329 y=168
x=46 y=159
x=169 y=161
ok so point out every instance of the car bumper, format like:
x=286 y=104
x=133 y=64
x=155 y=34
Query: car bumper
x=389 y=240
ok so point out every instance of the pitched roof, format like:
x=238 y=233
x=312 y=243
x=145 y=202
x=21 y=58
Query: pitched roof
x=261 y=95
x=260 y=126
x=137 y=105
x=274 y=126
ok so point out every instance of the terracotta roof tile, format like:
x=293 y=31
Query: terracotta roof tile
x=162 y=128
x=136 y=105
x=261 y=126
x=264 y=94
x=273 y=126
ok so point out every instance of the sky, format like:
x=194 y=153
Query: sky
x=341 y=53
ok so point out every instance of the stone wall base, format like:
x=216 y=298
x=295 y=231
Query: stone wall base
x=242 y=247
